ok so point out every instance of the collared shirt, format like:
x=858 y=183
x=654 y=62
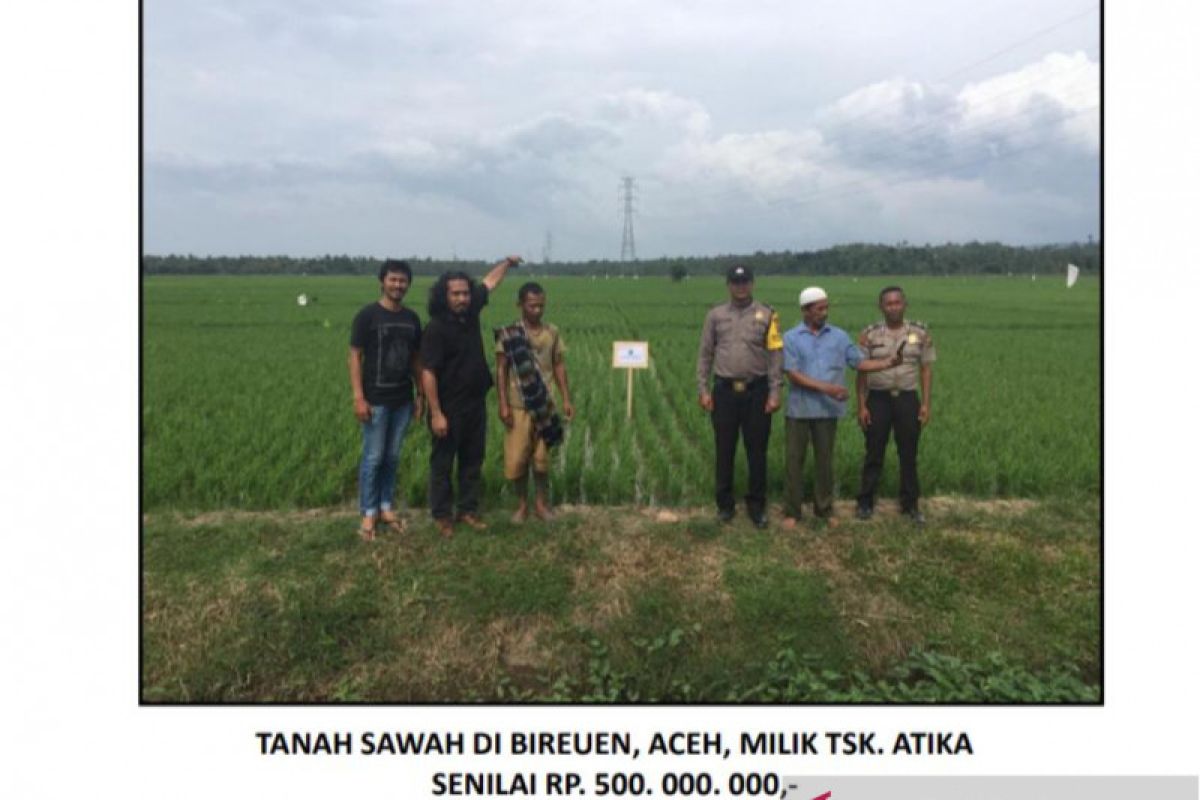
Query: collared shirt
x=823 y=355
x=880 y=341
x=740 y=343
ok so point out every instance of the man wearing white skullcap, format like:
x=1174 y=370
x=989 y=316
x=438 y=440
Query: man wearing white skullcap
x=815 y=357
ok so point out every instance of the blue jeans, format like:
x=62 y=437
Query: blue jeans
x=382 y=436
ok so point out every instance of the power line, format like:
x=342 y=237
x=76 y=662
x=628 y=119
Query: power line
x=933 y=121
x=865 y=183
x=1015 y=45
x=1008 y=48
x=988 y=127
x=848 y=149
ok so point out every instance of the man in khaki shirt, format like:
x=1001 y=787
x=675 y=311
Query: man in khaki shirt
x=741 y=350
x=522 y=443
x=888 y=400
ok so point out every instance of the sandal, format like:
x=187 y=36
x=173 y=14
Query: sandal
x=366 y=534
x=395 y=524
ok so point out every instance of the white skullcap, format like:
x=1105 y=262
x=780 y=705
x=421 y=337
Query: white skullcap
x=811 y=295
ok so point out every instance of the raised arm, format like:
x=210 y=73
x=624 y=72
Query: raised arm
x=499 y=270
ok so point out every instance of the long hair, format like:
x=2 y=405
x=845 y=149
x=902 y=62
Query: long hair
x=439 y=306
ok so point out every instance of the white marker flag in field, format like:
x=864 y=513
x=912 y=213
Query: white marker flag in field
x=1072 y=275
x=302 y=300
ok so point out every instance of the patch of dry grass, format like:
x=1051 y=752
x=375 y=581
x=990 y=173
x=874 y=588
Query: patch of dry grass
x=891 y=588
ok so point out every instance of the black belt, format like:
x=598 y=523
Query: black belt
x=740 y=385
x=893 y=392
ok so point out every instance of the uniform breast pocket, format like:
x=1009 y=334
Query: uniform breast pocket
x=760 y=330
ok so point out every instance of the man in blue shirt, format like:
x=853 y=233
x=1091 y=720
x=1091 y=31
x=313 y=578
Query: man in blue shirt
x=815 y=358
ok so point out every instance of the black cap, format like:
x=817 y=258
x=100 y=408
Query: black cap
x=739 y=274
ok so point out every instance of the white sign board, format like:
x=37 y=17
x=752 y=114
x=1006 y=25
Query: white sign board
x=631 y=355
x=1072 y=275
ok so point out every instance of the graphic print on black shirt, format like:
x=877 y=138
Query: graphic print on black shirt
x=388 y=340
x=395 y=357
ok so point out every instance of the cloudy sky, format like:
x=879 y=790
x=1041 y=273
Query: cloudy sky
x=470 y=128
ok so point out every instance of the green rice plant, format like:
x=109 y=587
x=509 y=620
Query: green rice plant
x=245 y=398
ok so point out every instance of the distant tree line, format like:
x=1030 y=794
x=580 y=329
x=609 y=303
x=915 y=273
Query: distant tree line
x=973 y=258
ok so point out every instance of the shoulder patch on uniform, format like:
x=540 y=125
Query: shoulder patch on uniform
x=774 y=339
x=874 y=326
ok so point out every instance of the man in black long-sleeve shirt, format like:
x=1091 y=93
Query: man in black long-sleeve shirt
x=456 y=380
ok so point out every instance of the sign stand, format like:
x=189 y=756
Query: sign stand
x=630 y=356
x=629 y=393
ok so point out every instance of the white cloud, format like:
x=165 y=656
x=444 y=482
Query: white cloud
x=1055 y=96
x=521 y=119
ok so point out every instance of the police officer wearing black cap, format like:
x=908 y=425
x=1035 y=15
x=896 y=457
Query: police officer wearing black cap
x=741 y=350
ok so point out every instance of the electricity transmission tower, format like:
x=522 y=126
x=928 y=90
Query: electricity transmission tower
x=628 y=248
x=547 y=246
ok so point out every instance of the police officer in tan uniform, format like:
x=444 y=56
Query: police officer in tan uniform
x=741 y=349
x=889 y=400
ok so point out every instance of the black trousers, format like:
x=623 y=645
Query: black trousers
x=890 y=413
x=741 y=412
x=465 y=441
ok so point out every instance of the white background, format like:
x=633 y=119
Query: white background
x=68 y=571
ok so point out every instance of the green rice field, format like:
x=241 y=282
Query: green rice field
x=256 y=587
x=246 y=401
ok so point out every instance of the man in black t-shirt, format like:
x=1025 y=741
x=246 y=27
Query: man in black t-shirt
x=384 y=361
x=456 y=379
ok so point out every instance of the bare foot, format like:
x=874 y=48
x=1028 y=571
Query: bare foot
x=472 y=521
x=394 y=523
x=832 y=521
x=543 y=512
x=788 y=523
x=445 y=528
x=366 y=529
x=520 y=515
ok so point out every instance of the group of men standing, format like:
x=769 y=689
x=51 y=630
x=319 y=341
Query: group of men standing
x=746 y=360
x=400 y=371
